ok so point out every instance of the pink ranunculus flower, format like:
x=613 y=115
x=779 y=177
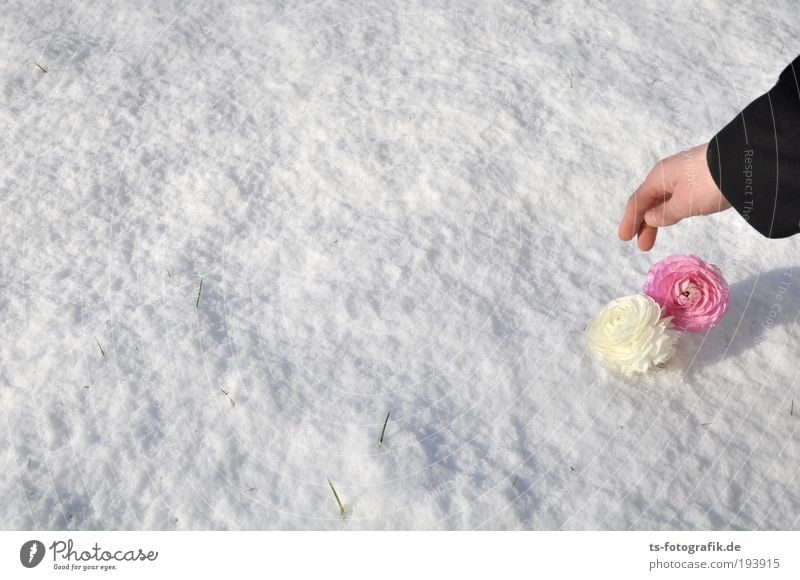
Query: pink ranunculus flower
x=691 y=291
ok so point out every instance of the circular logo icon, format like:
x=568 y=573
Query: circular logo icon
x=31 y=553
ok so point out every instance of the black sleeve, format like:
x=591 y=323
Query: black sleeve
x=755 y=159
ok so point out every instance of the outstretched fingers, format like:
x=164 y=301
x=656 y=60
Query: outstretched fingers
x=651 y=193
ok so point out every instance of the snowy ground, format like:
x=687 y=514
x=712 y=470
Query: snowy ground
x=393 y=207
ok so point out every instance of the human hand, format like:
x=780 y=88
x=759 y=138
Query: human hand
x=677 y=187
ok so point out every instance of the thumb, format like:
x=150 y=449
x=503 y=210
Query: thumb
x=662 y=215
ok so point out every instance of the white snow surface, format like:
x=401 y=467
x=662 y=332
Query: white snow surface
x=393 y=207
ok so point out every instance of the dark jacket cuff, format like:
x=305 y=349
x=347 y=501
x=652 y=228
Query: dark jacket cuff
x=755 y=159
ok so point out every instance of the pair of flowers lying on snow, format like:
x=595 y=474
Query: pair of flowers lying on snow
x=636 y=333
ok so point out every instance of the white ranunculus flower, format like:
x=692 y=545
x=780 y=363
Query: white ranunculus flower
x=628 y=335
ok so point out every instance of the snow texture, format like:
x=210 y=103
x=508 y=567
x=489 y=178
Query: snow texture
x=393 y=207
